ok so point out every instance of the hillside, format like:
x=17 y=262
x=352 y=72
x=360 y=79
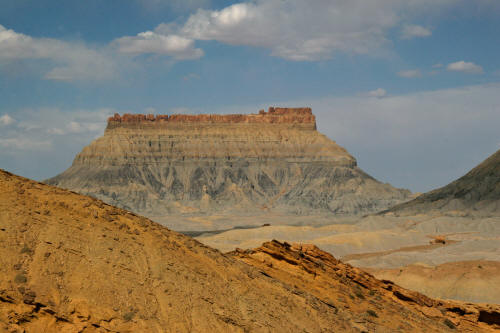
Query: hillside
x=476 y=193
x=70 y=263
x=210 y=164
x=373 y=302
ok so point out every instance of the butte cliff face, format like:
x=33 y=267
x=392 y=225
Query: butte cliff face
x=274 y=160
x=476 y=193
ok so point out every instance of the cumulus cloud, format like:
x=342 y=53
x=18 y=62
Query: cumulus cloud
x=69 y=60
x=6 y=120
x=413 y=31
x=411 y=73
x=178 y=47
x=24 y=144
x=465 y=67
x=305 y=31
x=295 y=30
x=379 y=93
x=38 y=128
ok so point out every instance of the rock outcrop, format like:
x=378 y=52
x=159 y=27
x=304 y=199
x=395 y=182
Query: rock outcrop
x=70 y=263
x=302 y=117
x=274 y=160
x=369 y=300
x=476 y=194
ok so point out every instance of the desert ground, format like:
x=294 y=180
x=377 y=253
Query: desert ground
x=451 y=257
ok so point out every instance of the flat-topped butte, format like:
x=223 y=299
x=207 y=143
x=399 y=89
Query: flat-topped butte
x=204 y=164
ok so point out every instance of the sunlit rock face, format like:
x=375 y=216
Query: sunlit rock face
x=269 y=161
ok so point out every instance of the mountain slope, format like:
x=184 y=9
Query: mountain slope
x=70 y=263
x=476 y=193
x=272 y=161
x=369 y=300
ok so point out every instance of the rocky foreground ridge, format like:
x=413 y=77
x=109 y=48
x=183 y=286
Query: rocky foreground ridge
x=70 y=263
x=274 y=160
x=477 y=194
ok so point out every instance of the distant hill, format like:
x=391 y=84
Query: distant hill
x=210 y=164
x=476 y=193
x=70 y=263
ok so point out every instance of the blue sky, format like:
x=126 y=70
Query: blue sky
x=411 y=88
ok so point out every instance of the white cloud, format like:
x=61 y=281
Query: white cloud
x=412 y=31
x=74 y=127
x=466 y=67
x=412 y=117
x=411 y=73
x=331 y=26
x=303 y=30
x=379 y=93
x=6 y=120
x=179 y=47
x=437 y=65
x=69 y=60
x=24 y=144
x=420 y=140
x=56 y=131
x=38 y=128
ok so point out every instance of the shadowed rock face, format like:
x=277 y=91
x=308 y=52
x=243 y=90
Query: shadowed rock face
x=274 y=160
x=70 y=263
x=476 y=193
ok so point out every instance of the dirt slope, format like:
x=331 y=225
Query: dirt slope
x=70 y=263
x=372 y=303
x=467 y=280
x=476 y=193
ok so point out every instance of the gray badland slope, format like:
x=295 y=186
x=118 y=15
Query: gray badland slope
x=272 y=161
x=476 y=193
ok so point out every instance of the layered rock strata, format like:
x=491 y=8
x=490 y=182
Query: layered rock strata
x=274 y=160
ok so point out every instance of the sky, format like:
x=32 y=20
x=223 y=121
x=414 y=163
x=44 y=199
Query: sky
x=411 y=88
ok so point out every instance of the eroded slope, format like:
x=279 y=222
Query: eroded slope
x=476 y=193
x=272 y=161
x=371 y=302
x=70 y=263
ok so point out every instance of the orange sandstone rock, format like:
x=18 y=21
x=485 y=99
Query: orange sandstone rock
x=274 y=115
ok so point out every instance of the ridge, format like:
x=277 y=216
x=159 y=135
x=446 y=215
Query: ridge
x=73 y=263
